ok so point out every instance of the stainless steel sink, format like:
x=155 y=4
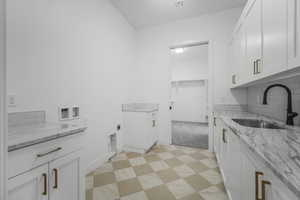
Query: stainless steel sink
x=254 y=123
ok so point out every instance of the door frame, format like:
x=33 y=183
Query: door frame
x=3 y=112
x=210 y=102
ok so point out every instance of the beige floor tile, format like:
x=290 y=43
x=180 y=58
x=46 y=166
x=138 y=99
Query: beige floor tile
x=89 y=194
x=159 y=193
x=151 y=157
x=208 y=153
x=124 y=174
x=135 y=196
x=177 y=153
x=194 y=196
x=128 y=187
x=184 y=171
x=188 y=151
x=121 y=164
x=168 y=175
x=121 y=156
x=180 y=188
x=159 y=165
x=137 y=161
x=198 y=167
x=173 y=162
x=104 y=179
x=150 y=180
x=133 y=155
x=107 y=192
x=212 y=176
x=198 y=182
x=165 y=155
x=159 y=149
x=213 y=193
x=142 y=169
x=89 y=182
x=198 y=156
x=107 y=167
x=211 y=163
x=186 y=159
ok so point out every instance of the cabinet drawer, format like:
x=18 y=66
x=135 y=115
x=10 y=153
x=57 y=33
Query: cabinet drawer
x=28 y=158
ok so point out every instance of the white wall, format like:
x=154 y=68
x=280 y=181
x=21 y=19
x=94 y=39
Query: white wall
x=71 y=52
x=3 y=149
x=277 y=99
x=153 y=62
x=190 y=98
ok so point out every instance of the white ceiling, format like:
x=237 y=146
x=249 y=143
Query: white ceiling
x=141 y=13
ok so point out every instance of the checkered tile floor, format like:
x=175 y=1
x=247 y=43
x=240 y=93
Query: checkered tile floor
x=165 y=173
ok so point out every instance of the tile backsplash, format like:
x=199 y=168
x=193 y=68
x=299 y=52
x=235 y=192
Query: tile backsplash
x=277 y=99
x=23 y=118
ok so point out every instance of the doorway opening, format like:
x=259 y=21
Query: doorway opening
x=189 y=95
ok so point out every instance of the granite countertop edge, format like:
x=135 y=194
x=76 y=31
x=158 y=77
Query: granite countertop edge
x=61 y=134
x=241 y=132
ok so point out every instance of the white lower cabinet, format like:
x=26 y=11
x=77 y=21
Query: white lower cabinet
x=245 y=175
x=32 y=185
x=65 y=178
x=58 y=180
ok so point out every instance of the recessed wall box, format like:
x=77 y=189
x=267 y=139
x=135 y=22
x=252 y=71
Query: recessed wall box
x=64 y=113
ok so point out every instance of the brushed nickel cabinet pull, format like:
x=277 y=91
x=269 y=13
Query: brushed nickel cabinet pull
x=258 y=70
x=45 y=154
x=257 y=175
x=264 y=183
x=224 y=137
x=45 y=184
x=215 y=121
x=153 y=123
x=55 y=171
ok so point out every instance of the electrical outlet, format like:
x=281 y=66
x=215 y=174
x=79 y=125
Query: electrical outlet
x=11 y=101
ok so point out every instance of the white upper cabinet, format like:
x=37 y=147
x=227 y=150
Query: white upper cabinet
x=266 y=42
x=274 y=24
x=293 y=33
x=254 y=39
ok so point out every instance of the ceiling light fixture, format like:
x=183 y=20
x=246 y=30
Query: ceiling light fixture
x=178 y=50
x=179 y=3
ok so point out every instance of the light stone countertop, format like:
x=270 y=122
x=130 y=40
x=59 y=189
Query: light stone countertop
x=279 y=149
x=22 y=136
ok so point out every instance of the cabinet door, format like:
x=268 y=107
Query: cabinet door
x=66 y=178
x=293 y=33
x=32 y=185
x=249 y=173
x=274 y=23
x=234 y=165
x=224 y=154
x=254 y=39
x=240 y=73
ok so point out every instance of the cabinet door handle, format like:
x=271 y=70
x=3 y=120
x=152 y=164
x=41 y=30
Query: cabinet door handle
x=254 y=67
x=55 y=171
x=263 y=185
x=258 y=71
x=45 y=184
x=52 y=151
x=257 y=175
x=224 y=137
x=153 y=123
x=215 y=122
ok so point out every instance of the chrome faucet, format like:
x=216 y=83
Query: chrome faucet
x=290 y=114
